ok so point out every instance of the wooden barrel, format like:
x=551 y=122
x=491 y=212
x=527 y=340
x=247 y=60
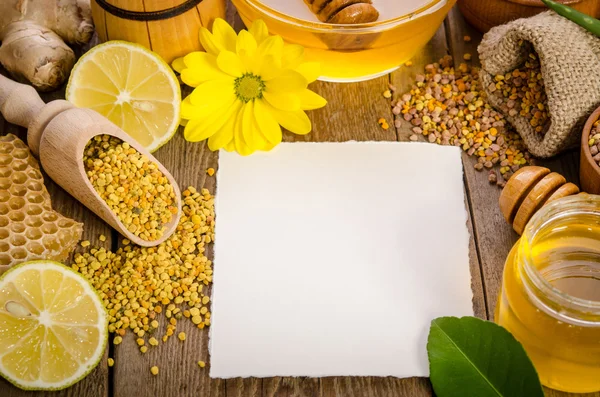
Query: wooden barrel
x=168 y=27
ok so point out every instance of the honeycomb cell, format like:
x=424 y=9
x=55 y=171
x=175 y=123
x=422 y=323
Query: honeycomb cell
x=34 y=221
x=51 y=243
x=4 y=209
x=18 y=190
x=5 y=172
x=35 y=248
x=49 y=228
x=17 y=228
x=35 y=174
x=5 y=259
x=5 y=159
x=34 y=210
x=35 y=186
x=50 y=217
x=16 y=216
x=19 y=144
x=66 y=223
x=33 y=233
x=4 y=233
x=16 y=240
x=5 y=149
x=7 y=138
x=5 y=183
x=20 y=166
x=20 y=153
x=4 y=221
x=19 y=177
x=16 y=203
x=4 y=246
x=4 y=196
x=35 y=198
x=19 y=254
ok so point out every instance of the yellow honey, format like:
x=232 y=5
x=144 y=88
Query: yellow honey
x=353 y=52
x=550 y=298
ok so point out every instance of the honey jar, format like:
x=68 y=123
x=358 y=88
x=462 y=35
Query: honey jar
x=550 y=297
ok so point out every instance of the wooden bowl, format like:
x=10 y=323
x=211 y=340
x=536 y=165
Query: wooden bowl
x=485 y=14
x=589 y=169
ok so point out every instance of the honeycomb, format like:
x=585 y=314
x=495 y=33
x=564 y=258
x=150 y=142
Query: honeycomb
x=29 y=227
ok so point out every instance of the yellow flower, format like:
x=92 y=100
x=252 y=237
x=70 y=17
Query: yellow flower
x=247 y=87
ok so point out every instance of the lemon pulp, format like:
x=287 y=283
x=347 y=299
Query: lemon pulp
x=53 y=327
x=132 y=87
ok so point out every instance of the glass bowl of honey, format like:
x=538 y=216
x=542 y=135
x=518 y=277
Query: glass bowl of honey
x=350 y=51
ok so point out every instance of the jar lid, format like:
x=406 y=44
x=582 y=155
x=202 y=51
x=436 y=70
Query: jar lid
x=388 y=9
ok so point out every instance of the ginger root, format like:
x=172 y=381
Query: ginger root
x=34 y=33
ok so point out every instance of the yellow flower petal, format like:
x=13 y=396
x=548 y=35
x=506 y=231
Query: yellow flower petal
x=266 y=123
x=238 y=136
x=191 y=111
x=224 y=35
x=198 y=129
x=296 y=121
x=188 y=109
x=212 y=91
x=268 y=67
x=282 y=100
x=259 y=30
x=252 y=64
x=293 y=54
x=288 y=81
x=231 y=64
x=178 y=65
x=195 y=76
x=273 y=45
x=310 y=70
x=251 y=134
x=310 y=100
x=230 y=147
x=208 y=41
x=225 y=135
x=205 y=65
x=246 y=42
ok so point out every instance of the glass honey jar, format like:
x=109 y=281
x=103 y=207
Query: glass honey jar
x=550 y=297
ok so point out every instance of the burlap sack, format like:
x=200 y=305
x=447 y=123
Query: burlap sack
x=570 y=63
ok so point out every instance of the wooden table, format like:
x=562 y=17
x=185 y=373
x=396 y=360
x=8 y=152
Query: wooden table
x=351 y=114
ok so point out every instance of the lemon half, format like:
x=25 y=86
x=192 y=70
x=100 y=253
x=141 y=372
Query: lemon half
x=53 y=326
x=132 y=87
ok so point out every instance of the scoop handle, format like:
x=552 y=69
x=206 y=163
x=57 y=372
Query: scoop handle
x=19 y=103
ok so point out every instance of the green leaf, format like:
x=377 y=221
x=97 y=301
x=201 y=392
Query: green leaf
x=469 y=357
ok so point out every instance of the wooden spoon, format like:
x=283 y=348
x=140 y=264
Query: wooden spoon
x=57 y=133
x=528 y=190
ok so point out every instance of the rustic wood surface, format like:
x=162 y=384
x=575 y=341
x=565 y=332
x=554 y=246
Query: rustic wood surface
x=351 y=114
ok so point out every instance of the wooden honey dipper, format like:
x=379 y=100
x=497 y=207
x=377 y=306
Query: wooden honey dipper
x=57 y=133
x=344 y=11
x=528 y=190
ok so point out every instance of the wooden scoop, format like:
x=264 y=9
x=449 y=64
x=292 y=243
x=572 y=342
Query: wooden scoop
x=57 y=133
x=528 y=190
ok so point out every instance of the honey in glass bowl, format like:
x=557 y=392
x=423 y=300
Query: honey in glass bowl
x=354 y=52
x=550 y=298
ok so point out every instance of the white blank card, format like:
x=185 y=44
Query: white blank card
x=333 y=258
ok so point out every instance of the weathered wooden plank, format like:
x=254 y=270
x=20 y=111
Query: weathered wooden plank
x=376 y=387
x=97 y=383
x=493 y=236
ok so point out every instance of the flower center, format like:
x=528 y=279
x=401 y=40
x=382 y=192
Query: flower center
x=249 y=87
